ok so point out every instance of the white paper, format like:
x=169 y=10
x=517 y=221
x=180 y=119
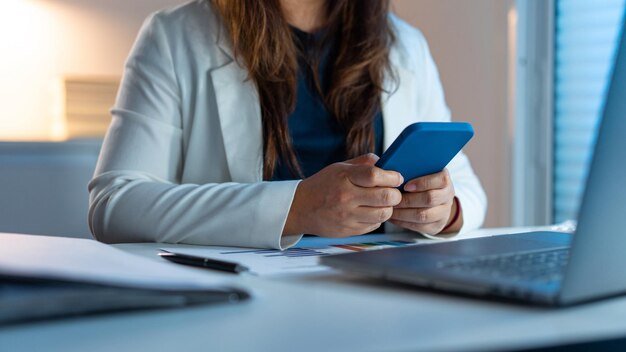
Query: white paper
x=302 y=259
x=83 y=260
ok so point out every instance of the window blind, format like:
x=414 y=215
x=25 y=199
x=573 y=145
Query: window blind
x=587 y=34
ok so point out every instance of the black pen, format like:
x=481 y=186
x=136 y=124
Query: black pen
x=203 y=262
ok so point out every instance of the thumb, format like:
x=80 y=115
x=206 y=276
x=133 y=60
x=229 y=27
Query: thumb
x=365 y=159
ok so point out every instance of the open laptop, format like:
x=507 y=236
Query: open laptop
x=539 y=267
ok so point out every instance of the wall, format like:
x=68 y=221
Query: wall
x=43 y=40
x=469 y=41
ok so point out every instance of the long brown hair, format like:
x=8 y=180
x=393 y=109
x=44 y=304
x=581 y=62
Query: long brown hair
x=263 y=42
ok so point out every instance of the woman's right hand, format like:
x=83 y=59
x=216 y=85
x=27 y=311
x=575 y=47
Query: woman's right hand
x=344 y=199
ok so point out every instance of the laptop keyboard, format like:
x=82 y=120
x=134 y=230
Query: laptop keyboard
x=539 y=266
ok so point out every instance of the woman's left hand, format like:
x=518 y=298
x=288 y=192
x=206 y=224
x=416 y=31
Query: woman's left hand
x=428 y=206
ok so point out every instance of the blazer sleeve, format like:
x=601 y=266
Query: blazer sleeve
x=467 y=187
x=136 y=194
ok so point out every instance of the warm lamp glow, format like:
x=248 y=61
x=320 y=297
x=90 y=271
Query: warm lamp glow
x=26 y=42
x=43 y=42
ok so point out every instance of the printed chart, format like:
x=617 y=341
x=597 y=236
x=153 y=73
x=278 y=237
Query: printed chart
x=316 y=252
x=290 y=261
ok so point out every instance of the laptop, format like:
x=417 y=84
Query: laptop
x=548 y=268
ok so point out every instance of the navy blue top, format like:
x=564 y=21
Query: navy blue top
x=318 y=138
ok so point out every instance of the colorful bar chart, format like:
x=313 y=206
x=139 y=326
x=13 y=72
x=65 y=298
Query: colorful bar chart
x=296 y=260
x=310 y=252
x=358 y=247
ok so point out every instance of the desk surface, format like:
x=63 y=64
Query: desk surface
x=330 y=312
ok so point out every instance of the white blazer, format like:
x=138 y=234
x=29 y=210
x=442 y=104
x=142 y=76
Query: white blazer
x=182 y=159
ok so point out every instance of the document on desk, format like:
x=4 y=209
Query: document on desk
x=89 y=261
x=303 y=259
x=45 y=277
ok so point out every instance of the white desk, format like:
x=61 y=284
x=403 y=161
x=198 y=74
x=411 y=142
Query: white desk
x=324 y=313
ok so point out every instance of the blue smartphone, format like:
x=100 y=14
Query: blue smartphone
x=425 y=148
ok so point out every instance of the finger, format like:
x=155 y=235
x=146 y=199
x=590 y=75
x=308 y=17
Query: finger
x=426 y=199
x=429 y=229
x=358 y=228
x=422 y=215
x=378 y=197
x=372 y=215
x=372 y=176
x=437 y=180
x=363 y=228
x=365 y=159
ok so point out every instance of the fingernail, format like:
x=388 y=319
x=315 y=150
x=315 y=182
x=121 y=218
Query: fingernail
x=401 y=181
x=410 y=187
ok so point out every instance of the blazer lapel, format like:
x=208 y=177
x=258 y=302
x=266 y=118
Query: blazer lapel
x=240 y=119
x=239 y=112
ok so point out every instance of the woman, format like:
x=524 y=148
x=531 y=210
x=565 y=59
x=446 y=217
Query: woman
x=234 y=119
